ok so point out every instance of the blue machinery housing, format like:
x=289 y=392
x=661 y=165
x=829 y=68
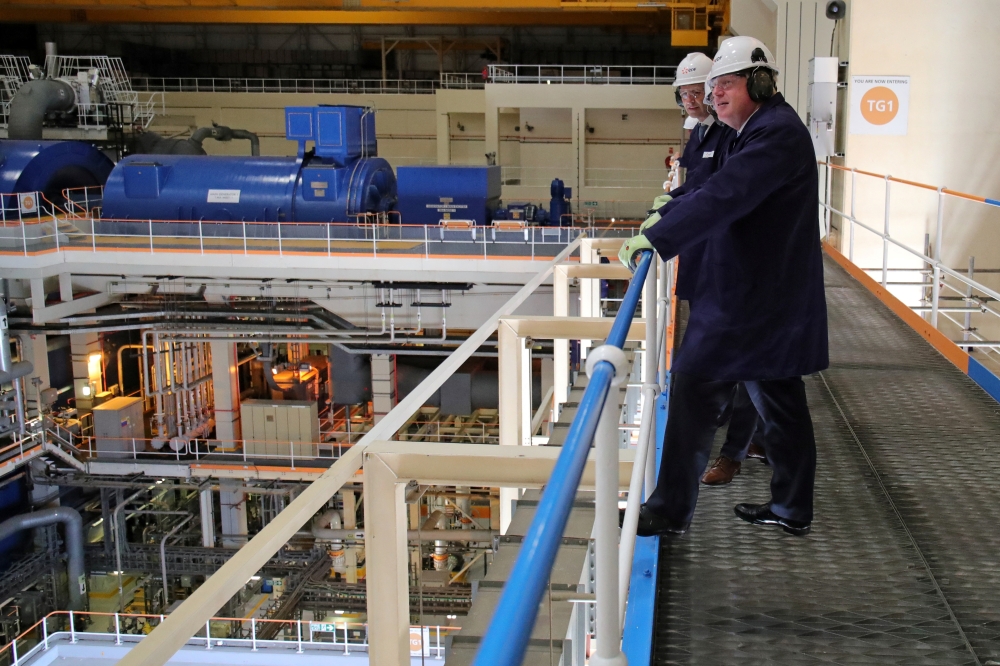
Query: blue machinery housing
x=49 y=167
x=506 y=639
x=335 y=181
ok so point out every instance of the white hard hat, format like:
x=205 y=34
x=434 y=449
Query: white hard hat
x=737 y=54
x=693 y=69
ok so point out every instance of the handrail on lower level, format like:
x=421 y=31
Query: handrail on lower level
x=506 y=639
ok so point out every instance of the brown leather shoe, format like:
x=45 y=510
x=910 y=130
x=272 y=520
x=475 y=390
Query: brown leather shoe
x=721 y=472
x=756 y=451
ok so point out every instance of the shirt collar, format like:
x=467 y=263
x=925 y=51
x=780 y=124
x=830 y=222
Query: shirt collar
x=743 y=126
x=708 y=121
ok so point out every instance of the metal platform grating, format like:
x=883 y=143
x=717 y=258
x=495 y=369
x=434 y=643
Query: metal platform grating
x=902 y=566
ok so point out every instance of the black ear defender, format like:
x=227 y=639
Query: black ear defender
x=760 y=83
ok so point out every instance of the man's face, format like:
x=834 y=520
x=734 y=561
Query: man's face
x=693 y=99
x=732 y=100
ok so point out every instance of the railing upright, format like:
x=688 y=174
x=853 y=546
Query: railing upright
x=506 y=640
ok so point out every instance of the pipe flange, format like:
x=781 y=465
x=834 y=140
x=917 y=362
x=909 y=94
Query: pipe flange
x=612 y=355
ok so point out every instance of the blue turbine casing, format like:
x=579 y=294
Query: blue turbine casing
x=50 y=167
x=330 y=184
x=429 y=194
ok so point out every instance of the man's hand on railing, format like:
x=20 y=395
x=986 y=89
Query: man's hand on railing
x=654 y=217
x=631 y=248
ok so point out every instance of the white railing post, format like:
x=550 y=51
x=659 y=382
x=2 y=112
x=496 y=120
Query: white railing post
x=885 y=237
x=151 y=237
x=606 y=535
x=13 y=647
x=347 y=646
x=328 y=239
x=938 y=235
x=24 y=238
x=299 y=625
x=201 y=238
x=118 y=632
x=208 y=634
x=253 y=634
x=45 y=632
x=854 y=189
x=244 y=237
x=829 y=197
x=72 y=628
x=279 y=240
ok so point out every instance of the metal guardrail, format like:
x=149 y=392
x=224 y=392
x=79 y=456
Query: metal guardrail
x=952 y=299
x=339 y=638
x=506 y=639
x=323 y=86
x=582 y=74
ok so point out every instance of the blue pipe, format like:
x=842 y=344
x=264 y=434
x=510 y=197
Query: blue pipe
x=506 y=639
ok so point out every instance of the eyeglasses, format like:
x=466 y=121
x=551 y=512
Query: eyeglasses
x=691 y=94
x=726 y=83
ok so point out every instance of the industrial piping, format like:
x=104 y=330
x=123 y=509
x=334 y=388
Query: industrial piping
x=32 y=101
x=71 y=519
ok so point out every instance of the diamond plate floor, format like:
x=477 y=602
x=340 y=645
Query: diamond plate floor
x=903 y=564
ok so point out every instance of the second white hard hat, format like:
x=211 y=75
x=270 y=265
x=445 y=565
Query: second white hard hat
x=737 y=54
x=693 y=69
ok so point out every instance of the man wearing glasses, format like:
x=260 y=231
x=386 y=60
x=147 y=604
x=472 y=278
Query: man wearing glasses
x=758 y=314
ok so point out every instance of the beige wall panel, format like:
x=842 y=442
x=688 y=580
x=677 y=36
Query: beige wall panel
x=945 y=144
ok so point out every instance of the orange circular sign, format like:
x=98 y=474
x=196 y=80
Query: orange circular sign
x=879 y=105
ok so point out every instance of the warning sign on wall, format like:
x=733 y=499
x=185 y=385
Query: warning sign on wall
x=879 y=104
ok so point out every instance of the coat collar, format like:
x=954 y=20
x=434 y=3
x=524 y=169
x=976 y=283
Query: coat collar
x=771 y=102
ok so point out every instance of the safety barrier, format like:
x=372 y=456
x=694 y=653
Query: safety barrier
x=324 y=86
x=582 y=74
x=340 y=637
x=507 y=638
x=951 y=300
x=36 y=235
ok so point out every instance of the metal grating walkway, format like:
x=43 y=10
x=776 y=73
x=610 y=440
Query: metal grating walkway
x=903 y=564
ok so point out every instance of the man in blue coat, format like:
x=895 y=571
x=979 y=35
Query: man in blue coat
x=699 y=160
x=758 y=311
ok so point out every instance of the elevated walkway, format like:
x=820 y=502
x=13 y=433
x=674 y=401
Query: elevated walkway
x=901 y=566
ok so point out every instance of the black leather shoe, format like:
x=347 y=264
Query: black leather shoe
x=651 y=524
x=761 y=514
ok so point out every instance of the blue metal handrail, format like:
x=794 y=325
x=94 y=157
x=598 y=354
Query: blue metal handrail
x=507 y=637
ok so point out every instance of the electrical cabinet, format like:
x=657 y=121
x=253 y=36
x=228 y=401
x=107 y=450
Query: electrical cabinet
x=118 y=427
x=280 y=428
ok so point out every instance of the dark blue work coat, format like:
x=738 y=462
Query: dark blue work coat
x=758 y=309
x=699 y=159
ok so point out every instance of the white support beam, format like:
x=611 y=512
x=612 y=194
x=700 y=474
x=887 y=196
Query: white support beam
x=44 y=315
x=207 y=506
x=560 y=357
x=510 y=349
x=226 y=391
x=386 y=566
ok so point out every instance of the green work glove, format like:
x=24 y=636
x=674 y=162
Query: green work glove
x=650 y=221
x=630 y=249
x=661 y=201
x=654 y=216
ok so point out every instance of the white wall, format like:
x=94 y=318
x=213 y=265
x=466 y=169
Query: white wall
x=755 y=18
x=949 y=51
x=803 y=31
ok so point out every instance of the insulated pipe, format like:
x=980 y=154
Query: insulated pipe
x=446 y=536
x=223 y=133
x=32 y=101
x=163 y=556
x=71 y=520
x=330 y=520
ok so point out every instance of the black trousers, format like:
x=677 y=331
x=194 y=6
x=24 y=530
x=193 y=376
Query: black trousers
x=743 y=419
x=695 y=406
